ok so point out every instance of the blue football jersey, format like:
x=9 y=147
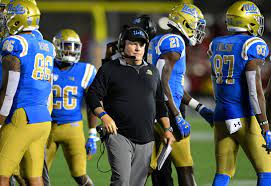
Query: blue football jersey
x=36 y=60
x=229 y=56
x=162 y=44
x=68 y=91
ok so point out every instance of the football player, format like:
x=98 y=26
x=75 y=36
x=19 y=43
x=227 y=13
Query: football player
x=27 y=67
x=240 y=115
x=167 y=52
x=71 y=81
x=3 y=34
x=163 y=176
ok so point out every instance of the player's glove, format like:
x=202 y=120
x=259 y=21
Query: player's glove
x=183 y=126
x=267 y=138
x=91 y=147
x=207 y=114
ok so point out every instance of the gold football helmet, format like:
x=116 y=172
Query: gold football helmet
x=68 y=46
x=3 y=3
x=245 y=16
x=189 y=20
x=22 y=15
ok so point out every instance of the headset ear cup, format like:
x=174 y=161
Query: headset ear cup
x=120 y=46
x=147 y=36
x=121 y=41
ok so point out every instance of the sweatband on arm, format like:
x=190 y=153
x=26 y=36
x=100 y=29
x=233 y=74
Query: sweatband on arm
x=194 y=104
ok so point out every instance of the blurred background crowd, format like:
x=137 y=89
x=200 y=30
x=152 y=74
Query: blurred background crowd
x=99 y=22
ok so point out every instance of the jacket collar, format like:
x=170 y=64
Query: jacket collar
x=124 y=63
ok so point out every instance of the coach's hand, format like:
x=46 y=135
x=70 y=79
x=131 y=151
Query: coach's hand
x=109 y=124
x=91 y=147
x=183 y=126
x=267 y=138
x=208 y=115
x=169 y=137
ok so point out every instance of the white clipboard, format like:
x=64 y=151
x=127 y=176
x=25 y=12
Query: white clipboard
x=163 y=156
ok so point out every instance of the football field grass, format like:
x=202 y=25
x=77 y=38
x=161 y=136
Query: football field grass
x=203 y=154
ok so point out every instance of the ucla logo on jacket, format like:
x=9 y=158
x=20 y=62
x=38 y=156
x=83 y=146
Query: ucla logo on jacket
x=149 y=72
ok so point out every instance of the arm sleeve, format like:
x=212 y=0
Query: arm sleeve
x=98 y=89
x=161 y=107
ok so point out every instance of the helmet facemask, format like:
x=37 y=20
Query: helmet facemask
x=200 y=31
x=260 y=20
x=68 y=51
x=68 y=46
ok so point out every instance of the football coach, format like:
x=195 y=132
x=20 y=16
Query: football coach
x=127 y=96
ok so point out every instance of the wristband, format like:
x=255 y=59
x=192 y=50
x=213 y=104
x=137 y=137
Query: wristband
x=92 y=131
x=263 y=123
x=102 y=114
x=194 y=104
x=199 y=107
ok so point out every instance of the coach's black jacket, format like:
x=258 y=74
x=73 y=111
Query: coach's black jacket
x=131 y=95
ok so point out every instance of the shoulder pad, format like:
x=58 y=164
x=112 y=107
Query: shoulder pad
x=171 y=43
x=15 y=45
x=254 y=48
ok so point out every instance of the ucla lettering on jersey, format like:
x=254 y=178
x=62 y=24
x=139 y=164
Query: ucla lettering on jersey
x=36 y=72
x=68 y=91
x=162 y=44
x=229 y=56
